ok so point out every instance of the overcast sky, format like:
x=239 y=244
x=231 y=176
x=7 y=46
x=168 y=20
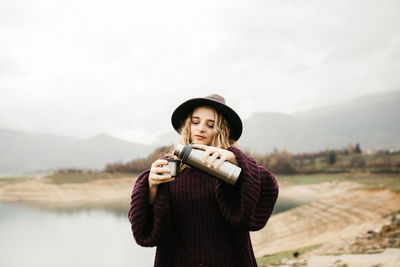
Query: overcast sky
x=80 y=67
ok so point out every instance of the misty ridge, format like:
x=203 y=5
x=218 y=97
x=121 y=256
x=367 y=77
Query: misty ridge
x=372 y=121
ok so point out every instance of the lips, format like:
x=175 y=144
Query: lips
x=199 y=137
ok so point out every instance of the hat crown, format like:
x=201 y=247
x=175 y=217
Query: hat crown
x=214 y=100
x=217 y=98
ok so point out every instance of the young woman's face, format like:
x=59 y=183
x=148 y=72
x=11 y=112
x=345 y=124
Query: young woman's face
x=202 y=126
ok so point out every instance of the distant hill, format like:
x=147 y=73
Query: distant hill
x=372 y=121
x=264 y=132
x=26 y=152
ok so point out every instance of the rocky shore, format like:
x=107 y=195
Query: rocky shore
x=347 y=221
x=352 y=226
x=379 y=247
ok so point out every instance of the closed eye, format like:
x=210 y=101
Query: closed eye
x=211 y=126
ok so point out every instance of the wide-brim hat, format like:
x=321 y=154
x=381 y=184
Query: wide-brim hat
x=216 y=101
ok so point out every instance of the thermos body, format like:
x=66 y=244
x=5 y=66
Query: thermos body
x=227 y=172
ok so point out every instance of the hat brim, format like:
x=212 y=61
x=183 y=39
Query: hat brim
x=182 y=111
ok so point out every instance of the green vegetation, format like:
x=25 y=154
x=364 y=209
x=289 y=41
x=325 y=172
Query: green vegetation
x=275 y=259
x=138 y=165
x=14 y=179
x=367 y=180
x=66 y=177
x=349 y=159
x=284 y=204
x=332 y=157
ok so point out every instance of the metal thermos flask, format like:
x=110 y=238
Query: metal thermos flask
x=227 y=172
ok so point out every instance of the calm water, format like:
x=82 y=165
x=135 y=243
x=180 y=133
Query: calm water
x=34 y=237
x=30 y=237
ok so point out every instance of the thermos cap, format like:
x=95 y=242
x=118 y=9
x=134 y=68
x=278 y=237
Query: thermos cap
x=178 y=150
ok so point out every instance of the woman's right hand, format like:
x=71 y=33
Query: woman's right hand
x=156 y=176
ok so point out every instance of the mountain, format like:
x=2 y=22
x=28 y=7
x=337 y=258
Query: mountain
x=27 y=152
x=372 y=120
x=264 y=132
x=168 y=138
x=99 y=150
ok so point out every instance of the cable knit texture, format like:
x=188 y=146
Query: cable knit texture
x=199 y=220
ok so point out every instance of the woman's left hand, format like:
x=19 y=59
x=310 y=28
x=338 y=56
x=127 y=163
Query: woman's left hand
x=215 y=152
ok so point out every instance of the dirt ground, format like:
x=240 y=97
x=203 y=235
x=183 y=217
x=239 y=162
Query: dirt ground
x=336 y=211
x=389 y=258
x=339 y=210
x=96 y=193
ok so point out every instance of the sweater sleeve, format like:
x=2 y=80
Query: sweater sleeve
x=250 y=202
x=149 y=222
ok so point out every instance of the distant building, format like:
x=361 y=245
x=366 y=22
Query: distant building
x=369 y=151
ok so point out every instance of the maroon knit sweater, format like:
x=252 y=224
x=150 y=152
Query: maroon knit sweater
x=198 y=220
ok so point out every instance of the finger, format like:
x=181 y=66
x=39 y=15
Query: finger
x=200 y=146
x=158 y=170
x=161 y=181
x=156 y=179
x=160 y=176
x=212 y=159
x=206 y=155
x=221 y=161
x=159 y=162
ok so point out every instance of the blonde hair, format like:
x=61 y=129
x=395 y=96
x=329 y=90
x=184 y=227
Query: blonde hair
x=221 y=129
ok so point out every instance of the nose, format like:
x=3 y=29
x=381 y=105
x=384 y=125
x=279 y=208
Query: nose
x=201 y=127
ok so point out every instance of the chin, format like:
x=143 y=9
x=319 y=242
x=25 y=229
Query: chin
x=202 y=142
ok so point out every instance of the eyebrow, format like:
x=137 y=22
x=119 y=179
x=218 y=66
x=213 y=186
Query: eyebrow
x=195 y=117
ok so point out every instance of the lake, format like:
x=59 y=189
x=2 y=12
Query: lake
x=32 y=237
x=87 y=237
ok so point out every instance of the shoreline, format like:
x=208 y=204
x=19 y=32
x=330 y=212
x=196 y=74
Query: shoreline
x=111 y=194
x=335 y=209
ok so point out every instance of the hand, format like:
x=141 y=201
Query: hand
x=215 y=152
x=156 y=176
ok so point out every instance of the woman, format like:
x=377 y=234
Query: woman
x=196 y=219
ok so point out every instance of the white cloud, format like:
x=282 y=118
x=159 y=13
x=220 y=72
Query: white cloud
x=84 y=67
